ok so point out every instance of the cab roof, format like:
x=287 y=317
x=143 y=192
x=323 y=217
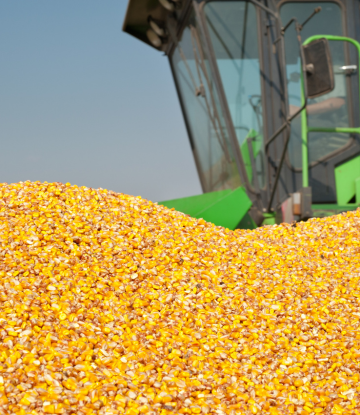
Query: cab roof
x=137 y=14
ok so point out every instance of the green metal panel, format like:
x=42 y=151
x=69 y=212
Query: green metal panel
x=223 y=208
x=345 y=177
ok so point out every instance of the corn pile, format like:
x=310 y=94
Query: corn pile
x=111 y=304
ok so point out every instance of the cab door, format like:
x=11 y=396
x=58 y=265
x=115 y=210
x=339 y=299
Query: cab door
x=331 y=116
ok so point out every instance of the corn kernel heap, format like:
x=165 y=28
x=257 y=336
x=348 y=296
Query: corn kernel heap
x=112 y=304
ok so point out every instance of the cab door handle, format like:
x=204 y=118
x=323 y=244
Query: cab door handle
x=348 y=69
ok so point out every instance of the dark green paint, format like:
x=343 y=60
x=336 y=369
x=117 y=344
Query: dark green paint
x=247 y=222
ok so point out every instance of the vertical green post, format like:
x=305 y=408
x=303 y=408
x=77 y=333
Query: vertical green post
x=304 y=139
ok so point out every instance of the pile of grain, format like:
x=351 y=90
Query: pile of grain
x=112 y=304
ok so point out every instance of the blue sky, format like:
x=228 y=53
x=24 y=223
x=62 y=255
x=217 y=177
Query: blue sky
x=83 y=102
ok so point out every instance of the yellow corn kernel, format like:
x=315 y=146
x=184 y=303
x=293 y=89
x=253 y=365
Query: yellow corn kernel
x=126 y=299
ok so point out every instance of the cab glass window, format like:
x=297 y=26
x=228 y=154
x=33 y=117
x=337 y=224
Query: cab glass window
x=233 y=31
x=203 y=112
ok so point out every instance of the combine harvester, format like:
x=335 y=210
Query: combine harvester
x=270 y=96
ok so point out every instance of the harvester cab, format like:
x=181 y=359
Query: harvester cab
x=270 y=96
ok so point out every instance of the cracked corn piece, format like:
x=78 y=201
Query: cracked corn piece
x=111 y=304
